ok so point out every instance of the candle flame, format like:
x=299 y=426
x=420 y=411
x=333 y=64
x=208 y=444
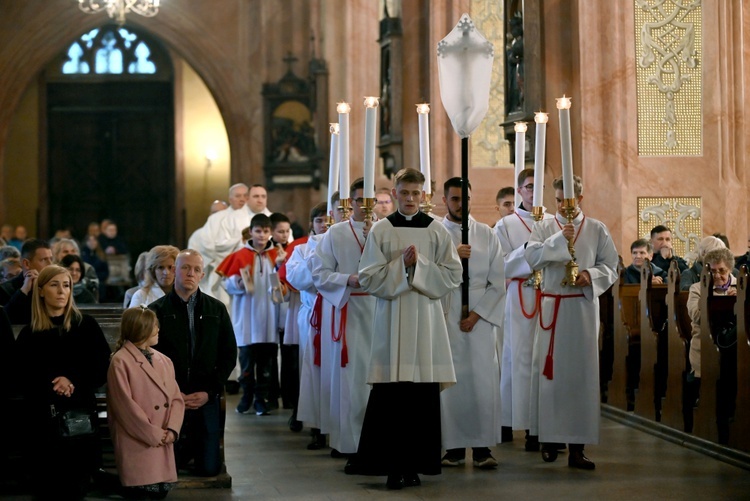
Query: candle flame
x=343 y=108
x=334 y=128
x=563 y=103
x=520 y=127
x=423 y=108
x=541 y=117
x=371 y=102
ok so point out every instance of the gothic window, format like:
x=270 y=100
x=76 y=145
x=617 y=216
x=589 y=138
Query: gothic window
x=110 y=50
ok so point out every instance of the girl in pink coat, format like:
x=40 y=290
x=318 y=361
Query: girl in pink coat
x=145 y=408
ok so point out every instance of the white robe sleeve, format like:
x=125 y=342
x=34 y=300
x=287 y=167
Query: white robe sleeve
x=330 y=283
x=234 y=285
x=297 y=272
x=516 y=265
x=378 y=276
x=604 y=272
x=489 y=306
x=437 y=278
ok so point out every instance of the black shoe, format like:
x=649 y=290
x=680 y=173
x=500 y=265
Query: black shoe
x=318 y=441
x=577 y=459
x=232 y=387
x=549 y=455
x=532 y=443
x=506 y=434
x=411 y=480
x=294 y=425
x=395 y=482
x=351 y=467
x=557 y=446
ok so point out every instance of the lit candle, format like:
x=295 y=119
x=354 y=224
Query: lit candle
x=371 y=112
x=343 y=110
x=541 y=139
x=520 y=129
x=333 y=167
x=424 y=145
x=563 y=104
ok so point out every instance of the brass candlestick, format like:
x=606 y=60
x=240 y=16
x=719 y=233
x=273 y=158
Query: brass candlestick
x=346 y=208
x=571 y=267
x=427 y=205
x=535 y=280
x=330 y=221
x=368 y=204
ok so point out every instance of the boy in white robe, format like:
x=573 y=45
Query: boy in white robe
x=409 y=263
x=521 y=314
x=470 y=410
x=565 y=384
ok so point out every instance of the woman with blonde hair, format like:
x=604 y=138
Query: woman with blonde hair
x=63 y=358
x=159 y=276
x=145 y=408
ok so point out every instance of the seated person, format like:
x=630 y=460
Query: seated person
x=693 y=274
x=111 y=242
x=640 y=250
x=10 y=268
x=64 y=246
x=75 y=265
x=661 y=241
x=15 y=295
x=19 y=237
x=139 y=270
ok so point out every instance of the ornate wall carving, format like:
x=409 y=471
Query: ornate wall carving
x=681 y=214
x=668 y=37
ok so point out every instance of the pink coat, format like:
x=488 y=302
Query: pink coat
x=143 y=401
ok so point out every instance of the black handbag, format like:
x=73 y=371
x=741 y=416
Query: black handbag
x=74 y=423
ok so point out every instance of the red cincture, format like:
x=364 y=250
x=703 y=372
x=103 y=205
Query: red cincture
x=316 y=321
x=552 y=326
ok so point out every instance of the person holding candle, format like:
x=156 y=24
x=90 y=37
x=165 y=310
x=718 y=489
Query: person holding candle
x=521 y=312
x=565 y=370
x=347 y=323
x=409 y=263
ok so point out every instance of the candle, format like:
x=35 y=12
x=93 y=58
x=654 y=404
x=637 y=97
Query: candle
x=424 y=145
x=333 y=167
x=343 y=110
x=520 y=129
x=541 y=139
x=563 y=105
x=371 y=113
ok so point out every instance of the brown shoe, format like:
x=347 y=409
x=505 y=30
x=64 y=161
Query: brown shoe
x=577 y=459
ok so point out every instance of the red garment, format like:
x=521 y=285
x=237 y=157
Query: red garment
x=235 y=261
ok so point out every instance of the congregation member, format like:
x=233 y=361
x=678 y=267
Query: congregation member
x=81 y=294
x=65 y=246
x=693 y=274
x=521 y=314
x=470 y=410
x=139 y=272
x=346 y=325
x=196 y=334
x=505 y=201
x=19 y=237
x=16 y=294
x=565 y=384
x=384 y=205
x=408 y=264
x=247 y=279
x=62 y=360
x=145 y=408
x=159 y=275
x=93 y=254
x=640 y=251
x=299 y=275
x=10 y=268
x=6 y=233
x=111 y=241
x=661 y=241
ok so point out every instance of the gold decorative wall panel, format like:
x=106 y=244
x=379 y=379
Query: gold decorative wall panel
x=488 y=146
x=668 y=50
x=682 y=215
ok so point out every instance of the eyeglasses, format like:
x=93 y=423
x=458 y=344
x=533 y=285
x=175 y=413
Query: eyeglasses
x=720 y=271
x=384 y=202
x=529 y=187
x=359 y=201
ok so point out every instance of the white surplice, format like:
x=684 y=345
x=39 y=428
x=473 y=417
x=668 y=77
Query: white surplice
x=513 y=231
x=204 y=241
x=565 y=409
x=299 y=274
x=410 y=338
x=470 y=410
x=336 y=258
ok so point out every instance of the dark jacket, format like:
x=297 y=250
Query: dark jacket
x=17 y=304
x=215 y=353
x=664 y=263
x=633 y=274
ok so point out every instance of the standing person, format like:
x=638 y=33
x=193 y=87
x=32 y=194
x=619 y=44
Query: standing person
x=284 y=382
x=470 y=410
x=159 y=276
x=62 y=359
x=346 y=325
x=409 y=263
x=519 y=325
x=505 y=200
x=16 y=294
x=384 y=205
x=196 y=334
x=565 y=384
x=247 y=279
x=299 y=275
x=144 y=407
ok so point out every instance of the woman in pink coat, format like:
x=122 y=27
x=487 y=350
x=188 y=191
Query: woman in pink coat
x=145 y=408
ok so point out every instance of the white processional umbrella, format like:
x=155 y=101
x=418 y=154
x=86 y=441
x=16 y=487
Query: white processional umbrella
x=465 y=60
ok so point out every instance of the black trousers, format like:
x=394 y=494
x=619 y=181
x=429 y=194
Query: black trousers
x=200 y=439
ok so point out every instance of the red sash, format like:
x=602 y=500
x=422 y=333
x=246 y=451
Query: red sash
x=537 y=299
x=342 y=328
x=316 y=321
x=548 y=363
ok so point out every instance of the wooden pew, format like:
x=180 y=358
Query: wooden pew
x=741 y=439
x=627 y=331
x=607 y=304
x=678 y=343
x=652 y=317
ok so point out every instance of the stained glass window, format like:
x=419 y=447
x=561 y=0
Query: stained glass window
x=110 y=50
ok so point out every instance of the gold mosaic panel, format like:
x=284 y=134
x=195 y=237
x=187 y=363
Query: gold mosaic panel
x=488 y=146
x=682 y=215
x=668 y=51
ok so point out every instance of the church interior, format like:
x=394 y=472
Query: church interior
x=147 y=120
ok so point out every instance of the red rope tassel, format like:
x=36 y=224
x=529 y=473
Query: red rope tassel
x=342 y=333
x=549 y=361
x=316 y=320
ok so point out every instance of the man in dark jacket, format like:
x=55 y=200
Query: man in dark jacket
x=15 y=294
x=196 y=333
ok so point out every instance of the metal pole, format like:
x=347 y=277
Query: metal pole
x=465 y=224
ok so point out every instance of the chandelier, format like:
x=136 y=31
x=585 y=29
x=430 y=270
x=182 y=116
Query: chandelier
x=116 y=9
